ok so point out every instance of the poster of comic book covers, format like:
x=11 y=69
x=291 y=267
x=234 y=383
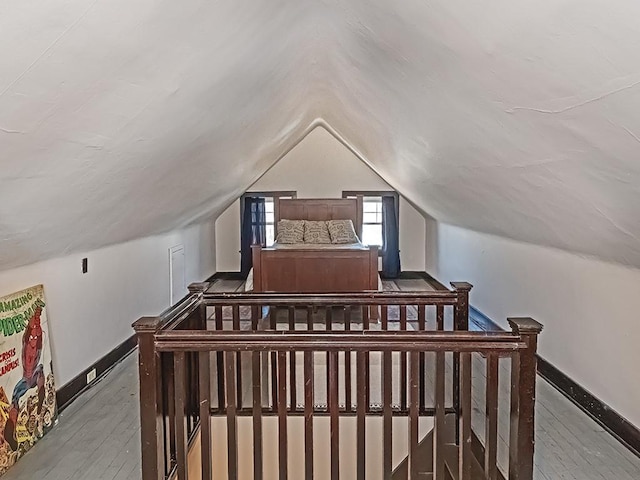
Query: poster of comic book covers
x=27 y=392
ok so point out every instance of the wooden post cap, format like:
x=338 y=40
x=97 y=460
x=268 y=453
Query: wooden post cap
x=147 y=324
x=525 y=325
x=461 y=286
x=198 y=287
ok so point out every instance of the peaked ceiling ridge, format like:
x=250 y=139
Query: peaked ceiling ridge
x=293 y=141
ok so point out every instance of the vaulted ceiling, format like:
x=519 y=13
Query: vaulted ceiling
x=120 y=119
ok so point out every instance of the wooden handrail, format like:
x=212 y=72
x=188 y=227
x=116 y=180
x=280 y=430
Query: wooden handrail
x=321 y=341
x=337 y=299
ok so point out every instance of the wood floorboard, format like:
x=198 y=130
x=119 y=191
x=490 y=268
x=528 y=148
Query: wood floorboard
x=97 y=437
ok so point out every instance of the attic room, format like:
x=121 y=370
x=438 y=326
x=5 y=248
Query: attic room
x=486 y=156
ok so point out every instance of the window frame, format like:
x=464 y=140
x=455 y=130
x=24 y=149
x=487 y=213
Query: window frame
x=276 y=194
x=360 y=194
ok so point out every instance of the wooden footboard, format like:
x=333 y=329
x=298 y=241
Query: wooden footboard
x=314 y=270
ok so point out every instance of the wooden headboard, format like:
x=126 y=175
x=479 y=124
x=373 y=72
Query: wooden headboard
x=320 y=209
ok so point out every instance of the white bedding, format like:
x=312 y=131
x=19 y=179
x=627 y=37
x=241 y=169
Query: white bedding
x=319 y=246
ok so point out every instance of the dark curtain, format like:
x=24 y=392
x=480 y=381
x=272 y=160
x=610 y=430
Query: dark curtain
x=390 y=238
x=252 y=230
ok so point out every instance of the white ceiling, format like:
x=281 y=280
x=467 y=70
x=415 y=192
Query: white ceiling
x=121 y=119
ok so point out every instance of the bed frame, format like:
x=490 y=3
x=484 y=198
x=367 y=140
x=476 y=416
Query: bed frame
x=316 y=270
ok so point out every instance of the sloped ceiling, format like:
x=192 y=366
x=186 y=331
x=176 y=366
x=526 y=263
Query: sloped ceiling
x=121 y=119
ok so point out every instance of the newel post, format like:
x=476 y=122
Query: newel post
x=462 y=377
x=199 y=288
x=151 y=411
x=523 y=398
x=461 y=321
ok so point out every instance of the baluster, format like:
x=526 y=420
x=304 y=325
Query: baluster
x=361 y=407
x=365 y=326
x=192 y=390
x=491 y=419
x=464 y=447
x=205 y=415
x=423 y=371
x=256 y=372
x=334 y=415
x=414 y=405
x=179 y=365
x=282 y=416
x=387 y=420
x=308 y=415
x=218 y=317
x=255 y=317
x=236 y=326
x=292 y=363
x=219 y=359
x=232 y=420
x=235 y=309
x=274 y=367
x=403 y=361
x=328 y=327
x=387 y=393
x=168 y=374
x=456 y=381
x=439 y=433
x=384 y=317
x=347 y=362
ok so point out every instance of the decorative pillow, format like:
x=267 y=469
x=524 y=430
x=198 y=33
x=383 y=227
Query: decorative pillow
x=342 y=231
x=316 y=232
x=290 y=231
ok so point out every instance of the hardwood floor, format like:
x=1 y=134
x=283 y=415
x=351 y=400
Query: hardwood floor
x=97 y=437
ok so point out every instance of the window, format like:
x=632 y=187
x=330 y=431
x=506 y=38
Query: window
x=269 y=214
x=269 y=211
x=372 y=214
x=372 y=221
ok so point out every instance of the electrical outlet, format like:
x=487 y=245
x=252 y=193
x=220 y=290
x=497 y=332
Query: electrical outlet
x=91 y=376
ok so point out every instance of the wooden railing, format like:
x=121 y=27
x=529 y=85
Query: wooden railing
x=235 y=355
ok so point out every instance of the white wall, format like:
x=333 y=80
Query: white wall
x=320 y=167
x=589 y=308
x=90 y=314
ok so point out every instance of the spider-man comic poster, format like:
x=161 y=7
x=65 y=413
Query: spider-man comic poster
x=27 y=391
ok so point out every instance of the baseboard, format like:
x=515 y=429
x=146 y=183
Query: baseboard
x=482 y=321
x=614 y=423
x=70 y=391
x=619 y=427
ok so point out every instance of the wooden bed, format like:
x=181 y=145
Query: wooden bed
x=316 y=268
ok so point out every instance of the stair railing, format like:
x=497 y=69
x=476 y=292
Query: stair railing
x=197 y=362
